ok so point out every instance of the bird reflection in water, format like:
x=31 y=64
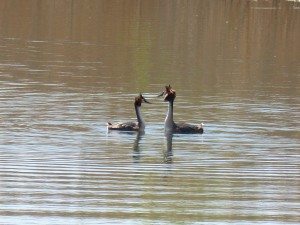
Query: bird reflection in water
x=136 y=155
x=168 y=152
x=136 y=147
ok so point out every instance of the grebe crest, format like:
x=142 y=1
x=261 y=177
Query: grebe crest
x=169 y=94
x=139 y=100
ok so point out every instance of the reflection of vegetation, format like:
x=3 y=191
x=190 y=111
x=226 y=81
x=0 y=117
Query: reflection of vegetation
x=141 y=58
x=182 y=40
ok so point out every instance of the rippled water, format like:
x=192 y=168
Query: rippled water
x=60 y=165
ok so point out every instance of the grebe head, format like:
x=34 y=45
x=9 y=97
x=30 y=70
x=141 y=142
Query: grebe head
x=169 y=94
x=139 y=100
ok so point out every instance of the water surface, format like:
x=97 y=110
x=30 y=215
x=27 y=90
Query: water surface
x=67 y=67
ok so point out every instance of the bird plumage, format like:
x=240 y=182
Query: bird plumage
x=169 y=96
x=128 y=125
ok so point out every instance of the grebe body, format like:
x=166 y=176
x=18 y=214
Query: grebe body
x=169 y=96
x=131 y=126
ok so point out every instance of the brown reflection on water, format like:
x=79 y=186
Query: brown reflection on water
x=66 y=67
x=180 y=40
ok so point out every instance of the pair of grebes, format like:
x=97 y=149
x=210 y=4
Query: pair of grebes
x=170 y=126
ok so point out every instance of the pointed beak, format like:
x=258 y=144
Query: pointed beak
x=163 y=93
x=146 y=101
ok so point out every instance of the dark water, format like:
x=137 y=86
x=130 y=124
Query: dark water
x=67 y=67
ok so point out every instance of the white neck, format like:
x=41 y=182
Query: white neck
x=139 y=117
x=169 y=123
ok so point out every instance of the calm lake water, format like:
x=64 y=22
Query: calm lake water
x=67 y=67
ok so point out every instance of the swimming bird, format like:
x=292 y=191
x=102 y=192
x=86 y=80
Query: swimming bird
x=169 y=96
x=131 y=126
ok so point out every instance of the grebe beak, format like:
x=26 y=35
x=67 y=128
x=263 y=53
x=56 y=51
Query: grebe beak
x=163 y=93
x=145 y=100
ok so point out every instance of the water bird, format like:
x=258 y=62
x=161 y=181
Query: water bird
x=131 y=126
x=169 y=96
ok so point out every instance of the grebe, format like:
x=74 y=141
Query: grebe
x=170 y=95
x=131 y=126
